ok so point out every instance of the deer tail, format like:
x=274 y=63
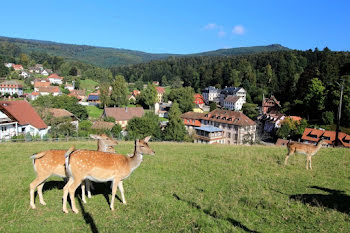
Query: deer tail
x=67 y=155
x=38 y=156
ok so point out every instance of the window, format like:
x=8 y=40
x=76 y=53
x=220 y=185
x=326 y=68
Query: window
x=3 y=128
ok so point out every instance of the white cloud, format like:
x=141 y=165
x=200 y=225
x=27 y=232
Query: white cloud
x=210 y=26
x=238 y=30
x=221 y=33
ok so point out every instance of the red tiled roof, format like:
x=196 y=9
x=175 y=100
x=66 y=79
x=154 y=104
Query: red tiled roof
x=193 y=115
x=136 y=92
x=17 y=67
x=124 y=114
x=38 y=84
x=49 y=89
x=102 y=125
x=160 y=90
x=321 y=134
x=24 y=113
x=198 y=99
x=34 y=93
x=58 y=112
x=229 y=117
x=55 y=76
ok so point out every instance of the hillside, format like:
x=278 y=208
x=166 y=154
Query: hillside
x=106 y=57
x=188 y=188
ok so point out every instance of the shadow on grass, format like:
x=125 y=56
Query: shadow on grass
x=88 y=218
x=336 y=199
x=214 y=214
x=104 y=189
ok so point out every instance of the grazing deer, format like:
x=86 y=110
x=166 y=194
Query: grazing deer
x=306 y=149
x=101 y=167
x=52 y=162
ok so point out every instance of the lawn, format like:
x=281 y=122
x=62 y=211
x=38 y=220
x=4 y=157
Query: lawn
x=188 y=188
x=94 y=112
x=89 y=85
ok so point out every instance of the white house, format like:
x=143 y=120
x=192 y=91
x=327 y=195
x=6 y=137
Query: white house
x=55 y=79
x=21 y=118
x=11 y=87
x=234 y=102
x=24 y=74
x=233 y=91
x=8 y=65
x=54 y=90
x=211 y=94
x=44 y=72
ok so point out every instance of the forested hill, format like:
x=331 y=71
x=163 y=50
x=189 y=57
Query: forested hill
x=106 y=57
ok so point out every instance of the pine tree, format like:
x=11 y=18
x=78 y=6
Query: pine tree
x=119 y=92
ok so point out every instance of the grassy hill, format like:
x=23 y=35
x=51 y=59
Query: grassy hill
x=189 y=187
x=106 y=57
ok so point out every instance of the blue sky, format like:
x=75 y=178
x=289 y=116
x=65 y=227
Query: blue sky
x=184 y=27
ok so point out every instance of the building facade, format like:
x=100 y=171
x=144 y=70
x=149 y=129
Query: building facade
x=11 y=87
x=211 y=94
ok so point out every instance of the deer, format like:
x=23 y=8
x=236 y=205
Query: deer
x=306 y=149
x=101 y=167
x=52 y=162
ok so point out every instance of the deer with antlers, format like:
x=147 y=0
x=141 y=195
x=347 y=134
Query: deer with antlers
x=101 y=167
x=52 y=162
x=306 y=149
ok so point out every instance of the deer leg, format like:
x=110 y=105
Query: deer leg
x=40 y=193
x=65 y=194
x=121 y=189
x=114 y=190
x=32 y=187
x=307 y=163
x=71 y=191
x=89 y=187
x=310 y=163
x=286 y=160
x=83 y=190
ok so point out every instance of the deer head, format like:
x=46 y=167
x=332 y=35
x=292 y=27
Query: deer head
x=141 y=146
x=105 y=143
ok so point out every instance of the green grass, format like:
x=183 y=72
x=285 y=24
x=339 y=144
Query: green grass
x=89 y=85
x=94 y=112
x=189 y=187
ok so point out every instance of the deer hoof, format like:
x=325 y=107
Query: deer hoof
x=65 y=211
x=43 y=203
x=75 y=211
x=33 y=207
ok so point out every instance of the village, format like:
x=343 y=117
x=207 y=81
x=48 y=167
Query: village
x=216 y=116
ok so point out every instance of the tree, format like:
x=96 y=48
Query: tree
x=73 y=71
x=116 y=130
x=212 y=106
x=24 y=59
x=328 y=117
x=164 y=81
x=139 y=85
x=119 y=92
x=105 y=95
x=175 y=130
x=141 y=127
x=84 y=128
x=315 y=96
x=148 y=96
x=184 y=96
x=250 y=110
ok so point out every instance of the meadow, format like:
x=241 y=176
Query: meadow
x=188 y=188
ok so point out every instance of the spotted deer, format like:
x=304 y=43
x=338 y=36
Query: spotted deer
x=52 y=162
x=101 y=167
x=306 y=149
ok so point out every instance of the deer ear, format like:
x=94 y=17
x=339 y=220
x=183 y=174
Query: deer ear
x=147 y=138
x=94 y=136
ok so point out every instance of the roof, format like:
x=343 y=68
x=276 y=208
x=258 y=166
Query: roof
x=34 y=93
x=41 y=84
x=58 y=112
x=122 y=114
x=160 y=90
x=17 y=66
x=77 y=92
x=229 y=117
x=102 y=125
x=209 y=128
x=49 y=89
x=232 y=99
x=193 y=115
x=24 y=113
x=93 y=97
x=315 y=135
x=55 y=76
x=10 y=82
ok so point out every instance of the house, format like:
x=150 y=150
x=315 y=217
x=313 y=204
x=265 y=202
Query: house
x=28 y=120
x=198 y=100
x=156 y=83
x=79 y=94
x=69 y=87
x=237 y=127
x=102 y=125
x=34 y=95
x=270 y=105
x=54 y=90
x=191 y=120
x=211 y=94
x=17 y=67
x=24 y=74
x=314 y=135
x=197 y=108
x=93 y=99
x=11 y=87
x=160 y=93
x=234 y=103
x=45 y=73
x=131 y=99
x=8 y=124
x=232 y=91
x=55 y=79
x=40 y=83
x=209 y=135
x=123 y=115
x=136 y=92
x=58 y=113
x=162 y=109
x=8 y=65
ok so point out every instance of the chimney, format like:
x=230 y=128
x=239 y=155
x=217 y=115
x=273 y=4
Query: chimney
x=126 y=109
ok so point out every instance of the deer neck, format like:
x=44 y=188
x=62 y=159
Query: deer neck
x=136 y=159
x=318 y=147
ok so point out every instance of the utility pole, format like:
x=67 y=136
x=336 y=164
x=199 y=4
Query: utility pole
x=339 y=113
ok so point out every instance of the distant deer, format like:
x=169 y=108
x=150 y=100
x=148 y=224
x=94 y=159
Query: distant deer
x=101 y=167
x=306 y=149
x=52 y=162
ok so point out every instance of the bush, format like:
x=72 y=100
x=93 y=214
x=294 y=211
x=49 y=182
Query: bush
x=328 y=118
